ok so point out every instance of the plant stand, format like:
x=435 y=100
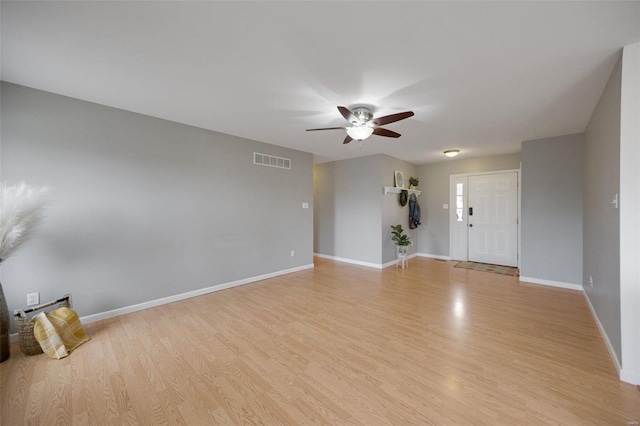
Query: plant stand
x=402 y=252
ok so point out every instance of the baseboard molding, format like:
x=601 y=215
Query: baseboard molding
x=175 y=298
x=347 y=260
x=391 y=263
x=605 y=337
x=394 y=262
x=560 y=284
x=361 y=263
x=434 y=256
x=634 y=379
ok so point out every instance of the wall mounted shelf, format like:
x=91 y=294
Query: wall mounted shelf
x=394 y=190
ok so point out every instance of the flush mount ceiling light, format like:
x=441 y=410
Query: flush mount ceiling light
x=452 y=152
x=359 y=133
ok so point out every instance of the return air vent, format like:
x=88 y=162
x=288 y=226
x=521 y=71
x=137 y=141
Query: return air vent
x=271 y=161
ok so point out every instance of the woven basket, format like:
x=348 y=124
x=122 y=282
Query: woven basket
x=28 y=342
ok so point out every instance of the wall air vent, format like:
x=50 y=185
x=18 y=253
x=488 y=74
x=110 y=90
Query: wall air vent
x=271 y=161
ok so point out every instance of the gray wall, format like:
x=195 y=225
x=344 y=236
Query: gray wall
x=601 y=230
x=551 y=215
x=392 y=212
x=347 y=212
x=629 y=207
x=144 y=208
x=433 y=234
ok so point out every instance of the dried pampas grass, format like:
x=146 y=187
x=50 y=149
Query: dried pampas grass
x=21 y=209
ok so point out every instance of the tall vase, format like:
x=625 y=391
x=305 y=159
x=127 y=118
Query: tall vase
x=4 y=327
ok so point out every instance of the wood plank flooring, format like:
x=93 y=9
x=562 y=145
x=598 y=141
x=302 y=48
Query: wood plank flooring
x=338 y=344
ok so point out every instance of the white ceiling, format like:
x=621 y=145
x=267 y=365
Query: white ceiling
x=480 y=76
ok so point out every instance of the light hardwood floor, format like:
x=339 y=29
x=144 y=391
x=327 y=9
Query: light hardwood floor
x=339 y=344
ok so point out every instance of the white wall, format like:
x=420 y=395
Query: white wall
x=144 y=208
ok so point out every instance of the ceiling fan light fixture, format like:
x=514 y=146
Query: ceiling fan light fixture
x=359 y=133
x=363 y=125
x=452 y=152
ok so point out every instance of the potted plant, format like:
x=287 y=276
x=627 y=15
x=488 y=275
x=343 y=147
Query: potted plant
x=413 y=182
x=401 y=239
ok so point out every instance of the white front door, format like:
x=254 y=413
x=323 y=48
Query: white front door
x=493 y=219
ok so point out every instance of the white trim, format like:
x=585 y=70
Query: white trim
x=634 y=379
x=452 y=200
x=493 y=172
x=361 y=263
x=391 y=263
x=454 y=180
x=520 y=217
x=560 y=284
x=395 y=261
x=352 y=261
x=605 y=337
x=434 y=256
x=175 y=298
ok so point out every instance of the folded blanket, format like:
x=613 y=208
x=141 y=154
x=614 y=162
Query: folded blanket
x=59 y=332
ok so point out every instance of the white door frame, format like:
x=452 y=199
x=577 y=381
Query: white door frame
x=452 y=207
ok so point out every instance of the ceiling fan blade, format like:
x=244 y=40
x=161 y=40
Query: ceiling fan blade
x=387 y=119
x=347 y=139
x=348 y=115
x=385 y=132
x=326 y=128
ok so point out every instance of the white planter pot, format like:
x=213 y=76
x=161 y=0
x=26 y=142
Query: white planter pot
x=402 y=250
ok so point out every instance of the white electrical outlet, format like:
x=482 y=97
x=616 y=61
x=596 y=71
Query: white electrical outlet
x=293 y=253
x=33 y=299
x=591 y=281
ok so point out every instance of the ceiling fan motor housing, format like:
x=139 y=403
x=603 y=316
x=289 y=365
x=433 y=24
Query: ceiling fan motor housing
x=363 y=115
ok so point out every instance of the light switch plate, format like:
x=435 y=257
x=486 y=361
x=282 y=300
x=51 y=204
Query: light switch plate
x=445 y=206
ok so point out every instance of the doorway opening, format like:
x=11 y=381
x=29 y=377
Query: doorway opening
x=484 y=223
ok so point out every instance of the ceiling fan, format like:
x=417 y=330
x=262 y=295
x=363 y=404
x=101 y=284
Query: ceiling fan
x=364 y=125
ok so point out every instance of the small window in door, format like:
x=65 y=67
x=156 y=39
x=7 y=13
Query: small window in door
x=459 y=202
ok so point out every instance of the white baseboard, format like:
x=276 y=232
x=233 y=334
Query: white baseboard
x=361 y=263
x=434 y=256
x=188 y=295
x=351 y=261
x=634 y=379
x=391 y=263
x=560 y=284
x=605 y=337
x=394 y=262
